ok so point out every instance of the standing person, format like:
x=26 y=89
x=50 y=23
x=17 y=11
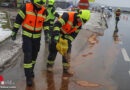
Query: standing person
x=52 y=14
x=31 y=16
x=68 y=26
x=117 y=15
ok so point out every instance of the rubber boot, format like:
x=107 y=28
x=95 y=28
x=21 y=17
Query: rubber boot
x=32 y=75
x=29 y=81
x=49 y=68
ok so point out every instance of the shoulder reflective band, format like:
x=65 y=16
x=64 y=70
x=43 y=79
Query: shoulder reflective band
x=62 y=21
x=16 y=25
x=21 y=14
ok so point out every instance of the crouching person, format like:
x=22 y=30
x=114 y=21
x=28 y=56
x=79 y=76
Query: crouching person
x=66 y=29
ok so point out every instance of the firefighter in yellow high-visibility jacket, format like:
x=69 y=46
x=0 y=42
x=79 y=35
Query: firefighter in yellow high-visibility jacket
x=65 y=30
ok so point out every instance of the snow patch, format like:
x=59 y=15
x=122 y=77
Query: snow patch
x=4 y=33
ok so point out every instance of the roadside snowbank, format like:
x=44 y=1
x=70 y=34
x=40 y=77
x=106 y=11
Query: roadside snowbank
x=95 y=24
x=4 y=32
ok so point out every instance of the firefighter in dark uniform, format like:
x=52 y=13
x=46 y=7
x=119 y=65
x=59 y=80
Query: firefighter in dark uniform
x=67 y=27
x=117 y=15
x=31 y=17
x=52 y=14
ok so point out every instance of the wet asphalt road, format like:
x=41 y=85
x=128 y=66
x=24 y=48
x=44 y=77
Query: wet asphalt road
x=105 y=65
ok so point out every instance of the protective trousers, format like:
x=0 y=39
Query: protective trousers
x=30 y=48
x=117 y=20
x=48 y=33
x=53 y=53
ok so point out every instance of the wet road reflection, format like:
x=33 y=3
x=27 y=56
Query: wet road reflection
x=50 y=81
x=115 y=35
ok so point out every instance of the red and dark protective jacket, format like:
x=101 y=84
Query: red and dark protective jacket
x=31 y=19
x=118 y=13
x=68 y=26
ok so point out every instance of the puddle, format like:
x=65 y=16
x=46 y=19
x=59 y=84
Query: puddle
x=87 y=84
x=93 y=39
x=85 y=55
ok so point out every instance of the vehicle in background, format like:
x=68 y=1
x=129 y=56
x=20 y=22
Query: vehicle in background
x=6 y=4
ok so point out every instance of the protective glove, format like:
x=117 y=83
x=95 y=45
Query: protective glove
x=13 y=36
x=56 y=39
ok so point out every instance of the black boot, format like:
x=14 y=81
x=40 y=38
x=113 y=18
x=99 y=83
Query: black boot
x=49 y=68
x=29 y=81
x=33 y=75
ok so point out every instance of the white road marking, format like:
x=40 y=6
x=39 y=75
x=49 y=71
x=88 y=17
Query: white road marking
x=125 y=55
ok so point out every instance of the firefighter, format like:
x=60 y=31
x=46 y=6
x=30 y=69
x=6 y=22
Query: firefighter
x=31 y=17
x=117 y=15
x=67 y=27
x=52 y=14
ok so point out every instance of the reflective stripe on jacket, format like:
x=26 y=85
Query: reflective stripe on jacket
x=68 y=27
x=33 y=22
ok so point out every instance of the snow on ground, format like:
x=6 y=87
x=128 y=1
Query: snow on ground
x=95 y=23
x=4 y=32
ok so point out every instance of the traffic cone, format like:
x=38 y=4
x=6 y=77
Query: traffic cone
x=123 y=17
x=127 y=18
x=2 y=80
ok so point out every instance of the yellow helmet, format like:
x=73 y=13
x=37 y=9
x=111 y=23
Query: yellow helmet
x=84 y=15
x=51 y=2
x=39 y=2
x=118 y=8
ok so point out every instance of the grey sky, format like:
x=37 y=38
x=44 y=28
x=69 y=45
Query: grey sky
x=120 y=3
